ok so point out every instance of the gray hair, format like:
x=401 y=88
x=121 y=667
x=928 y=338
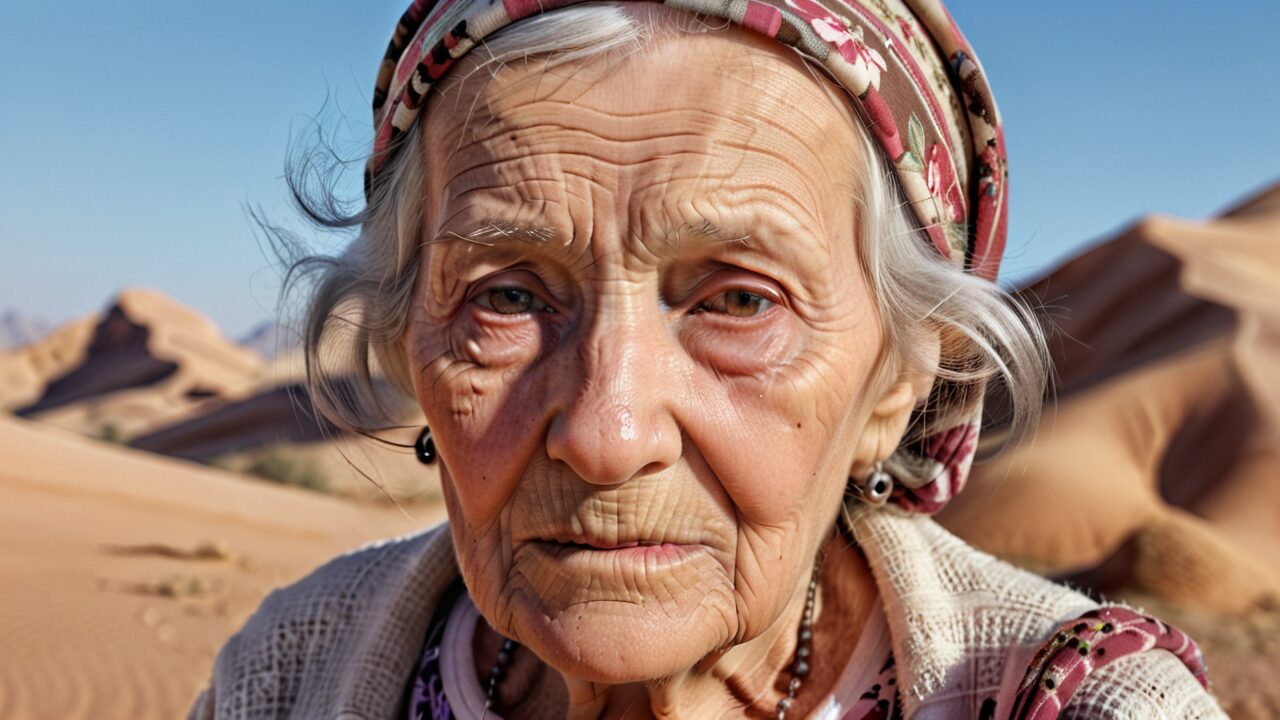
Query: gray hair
x=358 y=302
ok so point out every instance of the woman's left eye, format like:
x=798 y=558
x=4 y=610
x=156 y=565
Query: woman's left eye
x=511 y=301
x=738 y=303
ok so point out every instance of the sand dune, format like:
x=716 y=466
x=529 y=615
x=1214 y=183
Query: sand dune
x=1169 y=397
x=25 y=371
x=148 y=362
x=280 y=422
x=1156 y=478
x=124 y=572
x=274 y=415
x=156 y=375
x=17 y=329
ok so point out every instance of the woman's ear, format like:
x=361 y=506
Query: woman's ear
x=892 y=410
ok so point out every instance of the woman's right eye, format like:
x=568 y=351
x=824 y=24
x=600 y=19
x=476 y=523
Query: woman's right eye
x=511 y=301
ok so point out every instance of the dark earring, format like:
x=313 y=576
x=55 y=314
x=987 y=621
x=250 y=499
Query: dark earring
x=876 y=488
x=425 y=447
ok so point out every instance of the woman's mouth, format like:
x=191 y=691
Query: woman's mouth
x=623 y=550
x=617 y=545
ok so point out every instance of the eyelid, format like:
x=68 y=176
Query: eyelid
x=504 y=279
x=724 y=285
x=769 y=305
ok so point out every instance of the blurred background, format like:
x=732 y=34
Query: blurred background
x=161 y=468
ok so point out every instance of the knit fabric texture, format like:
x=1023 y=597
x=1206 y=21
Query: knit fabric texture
x=344 y=642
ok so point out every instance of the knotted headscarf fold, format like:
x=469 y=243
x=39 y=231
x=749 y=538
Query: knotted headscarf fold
x=914 y=79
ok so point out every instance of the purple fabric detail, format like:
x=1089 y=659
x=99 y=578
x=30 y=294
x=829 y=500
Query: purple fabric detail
x=428 y=701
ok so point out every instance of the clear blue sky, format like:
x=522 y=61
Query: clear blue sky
x=133 y=134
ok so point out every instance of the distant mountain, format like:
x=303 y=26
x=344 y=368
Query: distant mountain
x=18 y=330
x=270 y=340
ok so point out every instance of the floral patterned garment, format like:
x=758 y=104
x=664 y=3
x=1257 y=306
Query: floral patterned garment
x=876 y=698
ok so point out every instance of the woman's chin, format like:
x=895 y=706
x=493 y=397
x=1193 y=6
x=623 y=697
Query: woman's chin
x=601 y=648
x=621 y=642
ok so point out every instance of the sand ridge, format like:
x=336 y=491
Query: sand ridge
x=123 y=572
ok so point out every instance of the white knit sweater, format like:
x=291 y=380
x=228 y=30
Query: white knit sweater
x=344 y=641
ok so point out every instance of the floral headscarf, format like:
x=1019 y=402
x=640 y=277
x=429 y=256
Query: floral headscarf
x=916 y=82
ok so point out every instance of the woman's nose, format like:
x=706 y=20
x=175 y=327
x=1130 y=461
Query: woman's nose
x=615 y=420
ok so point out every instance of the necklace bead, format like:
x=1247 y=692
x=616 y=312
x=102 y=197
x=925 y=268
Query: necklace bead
x=800 y=667
x=498 y=671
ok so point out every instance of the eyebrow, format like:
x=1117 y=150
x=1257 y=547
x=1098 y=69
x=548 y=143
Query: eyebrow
x=495 y=232
x=706 y=229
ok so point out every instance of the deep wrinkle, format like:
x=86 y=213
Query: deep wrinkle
x=633 y=413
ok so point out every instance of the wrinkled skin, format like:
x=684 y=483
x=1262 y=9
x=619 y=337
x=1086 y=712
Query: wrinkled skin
x=682 y=352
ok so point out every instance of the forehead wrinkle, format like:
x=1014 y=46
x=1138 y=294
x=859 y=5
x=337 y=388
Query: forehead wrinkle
x=731 y=211
x=516 y=162
x=752 y=154
x=519 y=160
x=493 y=207
x=772 y=160
x=766 y=241
x=777 y=241
x=612 y=125
x=496 y=192
x=784 y=144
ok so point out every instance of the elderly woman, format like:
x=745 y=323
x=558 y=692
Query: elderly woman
x=697 y=301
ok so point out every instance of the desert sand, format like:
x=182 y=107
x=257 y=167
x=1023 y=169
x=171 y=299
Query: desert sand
x=159 y=376
x=124 y=572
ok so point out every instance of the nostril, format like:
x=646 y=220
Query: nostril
x=652 y=468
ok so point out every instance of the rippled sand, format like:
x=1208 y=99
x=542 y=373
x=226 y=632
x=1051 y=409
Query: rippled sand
x=123 y=573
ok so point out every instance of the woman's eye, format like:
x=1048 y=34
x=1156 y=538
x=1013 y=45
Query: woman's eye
x=511 y=301
x=739 y=303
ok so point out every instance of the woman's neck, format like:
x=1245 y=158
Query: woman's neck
x=750 y=677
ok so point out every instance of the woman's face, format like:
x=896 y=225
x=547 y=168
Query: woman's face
x=644 y=345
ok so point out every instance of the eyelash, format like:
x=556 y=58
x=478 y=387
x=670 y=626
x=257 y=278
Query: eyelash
x=487 y=293
x=765 y=300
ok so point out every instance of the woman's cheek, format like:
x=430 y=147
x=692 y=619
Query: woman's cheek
x=772 y=400
x=489 y=394
x=497 y=343
x=738 y=347
x=490 y=360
